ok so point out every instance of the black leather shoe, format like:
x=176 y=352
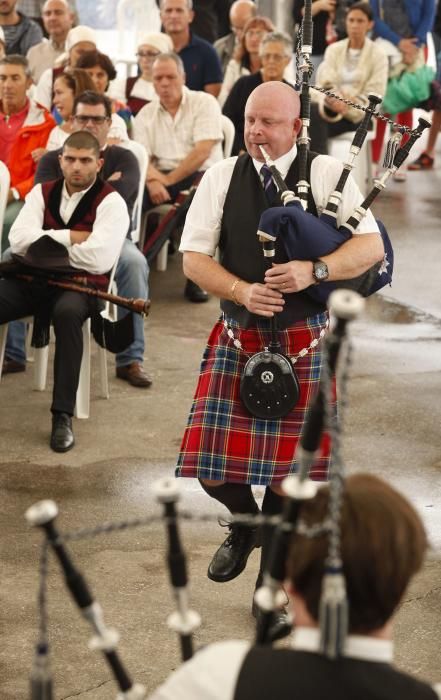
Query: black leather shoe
x=280 y=626
x=194 y=293
x=12 y=366
x=231 y=558
x=62 y=437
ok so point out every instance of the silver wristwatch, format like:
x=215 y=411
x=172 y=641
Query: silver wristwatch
x=320 y=271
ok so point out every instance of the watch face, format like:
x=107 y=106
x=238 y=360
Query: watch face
x=320 y=271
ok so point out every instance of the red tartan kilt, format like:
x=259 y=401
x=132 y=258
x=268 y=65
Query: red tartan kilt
x=222 y=440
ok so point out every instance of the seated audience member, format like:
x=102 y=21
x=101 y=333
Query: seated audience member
x=246 y=58
x=92 y=113
x=203 y=70
x=139 y=89
x=352 y=68
x=67 y=87
x=79 y=40
x=240 y=12
x=34 y=9
x=102 y=71
x=57 y=20
x=20 y=32
x=275 y=53
x=85 y=215
x=24 y=130
x=383 y=547
x=406 y=25
x=182 y=133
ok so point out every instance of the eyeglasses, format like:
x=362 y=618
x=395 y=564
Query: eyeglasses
x=148 y=54
x=84 y=118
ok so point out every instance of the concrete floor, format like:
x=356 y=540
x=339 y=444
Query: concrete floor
x=392 y=428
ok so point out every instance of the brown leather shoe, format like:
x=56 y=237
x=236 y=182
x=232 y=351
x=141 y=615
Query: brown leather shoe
x=134 y=374
x=12 y=366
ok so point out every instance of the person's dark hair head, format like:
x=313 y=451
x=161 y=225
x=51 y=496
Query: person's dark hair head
x=76 y=80
x=383 y=544
x=82 y=139
x=363 y=7
x=257 y=22
x=92 y=98
x=15 y=59
x=90 y=59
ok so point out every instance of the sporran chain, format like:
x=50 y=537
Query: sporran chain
x=295 y=358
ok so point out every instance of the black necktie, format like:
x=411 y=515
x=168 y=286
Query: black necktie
x=268 y=183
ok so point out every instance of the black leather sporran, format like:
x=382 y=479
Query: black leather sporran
x=269 y=387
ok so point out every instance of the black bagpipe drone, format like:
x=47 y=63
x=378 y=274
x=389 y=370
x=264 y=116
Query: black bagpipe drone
x=345 y=305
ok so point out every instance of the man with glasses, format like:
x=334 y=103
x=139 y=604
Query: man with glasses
x=240 y=12
x=92 y=113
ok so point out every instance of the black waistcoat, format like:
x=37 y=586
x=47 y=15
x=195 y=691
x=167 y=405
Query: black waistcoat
x=240 y=250
x=286 y=674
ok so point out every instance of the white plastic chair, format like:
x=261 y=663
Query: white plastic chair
x=140 y=153
x=4 y=189
x=229 y=132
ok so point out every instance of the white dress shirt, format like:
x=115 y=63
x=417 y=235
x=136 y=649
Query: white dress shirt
x=169 y=140
x=98 y=253
x=213 y=672
x=203 y=222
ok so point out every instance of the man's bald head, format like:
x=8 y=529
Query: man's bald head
x=282 y=97
x=272 y=119
x=240 y=12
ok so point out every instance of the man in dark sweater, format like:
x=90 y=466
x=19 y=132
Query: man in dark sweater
x=92 y=113
x=383 y=546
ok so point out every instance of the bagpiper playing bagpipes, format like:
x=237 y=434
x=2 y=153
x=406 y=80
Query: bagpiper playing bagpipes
x=267 y=343
x=262 y=364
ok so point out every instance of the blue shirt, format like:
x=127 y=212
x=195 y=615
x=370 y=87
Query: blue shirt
x=420 y=14
x=201 y=62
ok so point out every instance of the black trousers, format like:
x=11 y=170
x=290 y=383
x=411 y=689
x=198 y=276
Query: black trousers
x=69 y=310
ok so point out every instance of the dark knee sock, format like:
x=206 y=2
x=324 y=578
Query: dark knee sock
x=238 y=498
x=272 y=505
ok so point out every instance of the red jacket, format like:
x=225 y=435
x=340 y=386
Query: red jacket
x=33 y=134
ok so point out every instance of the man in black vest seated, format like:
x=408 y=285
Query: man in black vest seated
x=90 y=219
x=92 y=113
x=383 y=546
x=224 y=446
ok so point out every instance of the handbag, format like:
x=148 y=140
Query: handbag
x=408 y=90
